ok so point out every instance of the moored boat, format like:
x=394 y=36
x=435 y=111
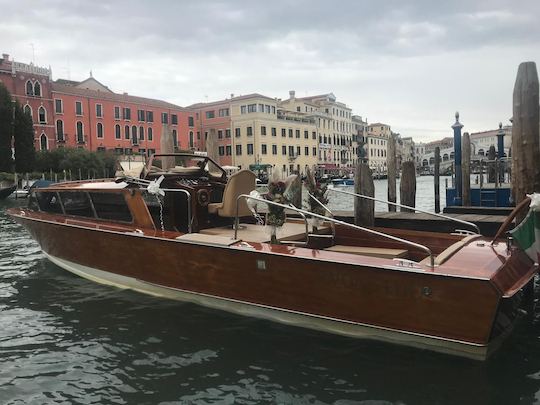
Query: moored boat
x=184 y=230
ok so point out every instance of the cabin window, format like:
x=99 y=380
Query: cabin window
x=77 y=203
x=111 y=206
x=49 y=202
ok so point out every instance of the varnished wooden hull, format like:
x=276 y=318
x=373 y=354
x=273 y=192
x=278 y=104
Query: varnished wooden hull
x=441 y=312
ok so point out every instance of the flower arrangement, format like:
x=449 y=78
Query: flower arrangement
x=278 y=193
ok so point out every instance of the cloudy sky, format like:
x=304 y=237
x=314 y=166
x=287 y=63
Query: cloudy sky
x=407 y=64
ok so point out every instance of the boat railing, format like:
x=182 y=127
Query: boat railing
x=332 y=220
x=411 y=208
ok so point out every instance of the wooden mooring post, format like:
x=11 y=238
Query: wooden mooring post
x=407 y=186
x=525 y=132
x=364 y=209
x=466 y=169
x=391 y=171
x=436 y=179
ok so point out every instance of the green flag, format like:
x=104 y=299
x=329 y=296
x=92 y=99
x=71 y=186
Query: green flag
x=527 y=235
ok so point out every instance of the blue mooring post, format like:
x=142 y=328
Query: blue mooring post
x=500 y=142
x=457 y=158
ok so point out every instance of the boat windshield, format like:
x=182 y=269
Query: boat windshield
x=190 y=165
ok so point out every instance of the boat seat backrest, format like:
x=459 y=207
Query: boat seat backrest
x=241 y=182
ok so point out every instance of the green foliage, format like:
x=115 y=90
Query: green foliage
x=25 y=154
x=58 y=160
x=6 y=129
x=9 y=177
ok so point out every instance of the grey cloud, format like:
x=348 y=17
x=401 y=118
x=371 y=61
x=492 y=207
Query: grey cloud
x=374 y=55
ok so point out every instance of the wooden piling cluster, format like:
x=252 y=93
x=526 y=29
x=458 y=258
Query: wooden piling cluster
x=364 y=209
x=391 y=171
x=525 y=134
x=466 y=169
x=407 y=186
x=436 y=179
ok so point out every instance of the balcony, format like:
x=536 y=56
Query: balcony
x=81 y=139
x=292 y=157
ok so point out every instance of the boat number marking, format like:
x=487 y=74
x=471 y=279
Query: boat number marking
x=261 y=265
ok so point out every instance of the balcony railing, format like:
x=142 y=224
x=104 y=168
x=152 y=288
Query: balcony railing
x=81 y=139
x=61 y=137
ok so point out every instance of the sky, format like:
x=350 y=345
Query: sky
x=409 y=64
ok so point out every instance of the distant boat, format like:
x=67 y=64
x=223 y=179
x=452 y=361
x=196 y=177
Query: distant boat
x=6 y=191
x=343 y=182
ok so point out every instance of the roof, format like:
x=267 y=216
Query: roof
x=232 y=99
x=59 y=87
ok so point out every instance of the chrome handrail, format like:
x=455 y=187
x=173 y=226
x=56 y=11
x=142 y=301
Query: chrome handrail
x=409 y=207
x=336 y=221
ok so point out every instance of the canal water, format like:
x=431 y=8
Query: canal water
x=67 y=340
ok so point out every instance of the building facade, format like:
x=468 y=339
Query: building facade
x=377 y=144
x=88 y=114
x=335 y=129
x=31 y=86
x=482 y=141
x=318 y=131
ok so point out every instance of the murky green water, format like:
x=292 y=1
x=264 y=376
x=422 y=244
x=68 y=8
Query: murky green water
x=67 y=340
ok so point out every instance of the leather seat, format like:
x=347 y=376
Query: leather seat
x=241 y=182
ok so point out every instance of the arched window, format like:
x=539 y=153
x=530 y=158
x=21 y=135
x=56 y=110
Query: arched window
x=432 y=160
x=445 y=157
x=80 y=134
x=99 y=130
x=42 y=114
x=191 y=139
x=29 y=88
x=28 y=110
x=150 y=134
x=37 y=89
x=481 y=152
x=175 y=138
x=60 y=130
x=134 y=139
x=117 y=132
x=425 y=162
x=126 y=132
x=451 y=155
x=141 y=133
x=43 y=142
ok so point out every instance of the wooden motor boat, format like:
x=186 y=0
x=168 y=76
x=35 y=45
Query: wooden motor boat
x=173 y=233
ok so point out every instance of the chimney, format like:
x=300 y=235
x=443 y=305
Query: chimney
x=5 y=56
x=291 y=94
x=232 y=95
